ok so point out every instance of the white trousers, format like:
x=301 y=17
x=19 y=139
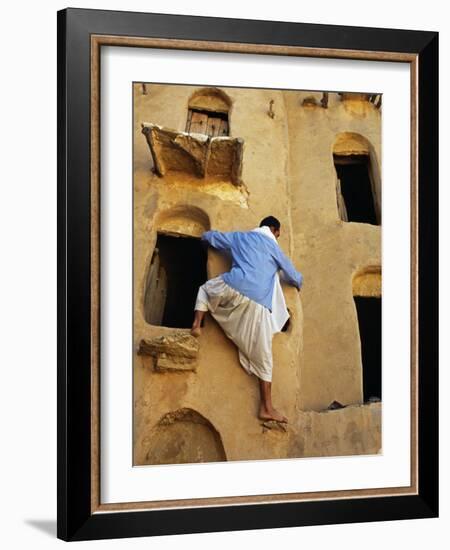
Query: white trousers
x=247 y=323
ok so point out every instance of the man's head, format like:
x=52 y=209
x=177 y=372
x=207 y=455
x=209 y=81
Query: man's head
x=273 y=224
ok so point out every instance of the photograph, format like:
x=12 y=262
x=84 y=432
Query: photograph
x=257 y=293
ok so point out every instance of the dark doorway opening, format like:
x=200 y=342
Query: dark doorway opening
x=369 y=320
x=177 y=269
x=355 y=186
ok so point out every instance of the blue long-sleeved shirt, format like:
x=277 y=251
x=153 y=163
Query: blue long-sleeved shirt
x=256 y=258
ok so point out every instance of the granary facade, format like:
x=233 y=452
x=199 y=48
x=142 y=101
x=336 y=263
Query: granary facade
x=224 y=158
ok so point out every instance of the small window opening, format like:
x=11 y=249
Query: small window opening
x=177 y=269
x=369 y=321
x=211 y=123
x=355 y=189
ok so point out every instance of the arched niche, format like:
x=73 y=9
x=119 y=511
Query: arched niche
x=177 y=267
x=184 y=436
x=367 y=282
x=351 y=143
x=208 y=112
x=212 y=99
x=358 y=179
x=183 y=220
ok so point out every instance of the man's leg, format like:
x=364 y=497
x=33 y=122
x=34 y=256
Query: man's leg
x=196 y=329
x=266 y=409
x=201 y=307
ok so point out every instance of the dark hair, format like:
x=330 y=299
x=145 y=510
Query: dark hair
x=270 y=221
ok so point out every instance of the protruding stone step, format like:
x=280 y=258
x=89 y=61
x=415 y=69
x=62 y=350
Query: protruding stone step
x=274 y=425
x=176 y=351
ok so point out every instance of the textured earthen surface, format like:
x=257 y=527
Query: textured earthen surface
x=287 y=171
x=175 y=351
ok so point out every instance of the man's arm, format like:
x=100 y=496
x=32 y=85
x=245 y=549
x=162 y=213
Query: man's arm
x=218 y=239
x=289 y=273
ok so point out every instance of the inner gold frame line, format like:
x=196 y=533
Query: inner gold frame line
x=97 y=41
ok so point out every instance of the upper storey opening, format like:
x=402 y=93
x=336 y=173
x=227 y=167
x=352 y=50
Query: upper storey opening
x=208 y=113
x=358 y=185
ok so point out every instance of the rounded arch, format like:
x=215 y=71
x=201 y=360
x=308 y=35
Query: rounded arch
x=366 y=281
x=185 y=436
x=210 y=99
x=183 y=219
x=351 y=143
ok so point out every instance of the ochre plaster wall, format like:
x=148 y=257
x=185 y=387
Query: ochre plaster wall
x=327 y=250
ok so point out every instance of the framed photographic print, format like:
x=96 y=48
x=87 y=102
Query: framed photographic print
x=247 y=271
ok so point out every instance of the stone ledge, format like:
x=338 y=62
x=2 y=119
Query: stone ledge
x=199 y=155
x=176 y=351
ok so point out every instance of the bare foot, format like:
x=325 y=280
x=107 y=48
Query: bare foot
x=271 y=414
x=196 y=331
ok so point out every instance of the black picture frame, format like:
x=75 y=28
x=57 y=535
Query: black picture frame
x=76 y=518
